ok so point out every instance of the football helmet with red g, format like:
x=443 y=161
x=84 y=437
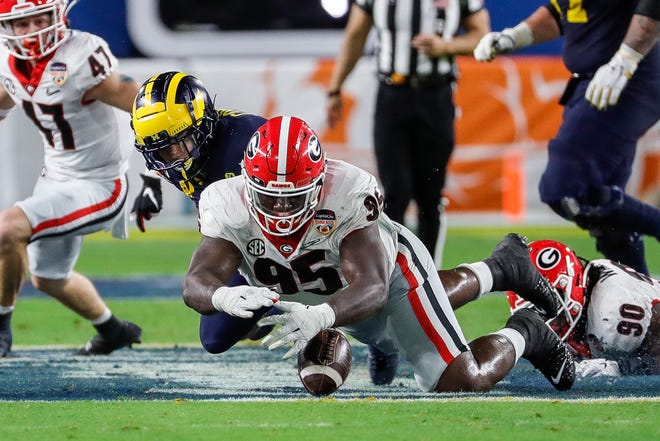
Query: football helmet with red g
x=283 y=167
x=173 y=119
x=22 y=37
x=565 y=271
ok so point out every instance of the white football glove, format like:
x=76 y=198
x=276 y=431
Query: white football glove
x=299 y=324
x=605 y=87
x=494 y=43
x=240 y=301
x=597 y=367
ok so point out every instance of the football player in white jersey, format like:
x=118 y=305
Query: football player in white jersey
x=610 y=313
x=66 y=82
x=309 y=235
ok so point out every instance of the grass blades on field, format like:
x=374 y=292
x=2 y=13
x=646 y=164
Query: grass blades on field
x=168 y=252
x=364 y=420
x=42 y=321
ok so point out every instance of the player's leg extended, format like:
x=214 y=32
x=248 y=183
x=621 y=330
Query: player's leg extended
x=60 y=213
x=14 y=233
x=589 y=163
x=419 y=311
x=51 y=263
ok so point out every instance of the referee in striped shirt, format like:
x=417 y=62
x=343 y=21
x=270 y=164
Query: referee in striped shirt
x=414 y=116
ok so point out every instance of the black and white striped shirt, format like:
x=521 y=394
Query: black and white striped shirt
x=398 y=21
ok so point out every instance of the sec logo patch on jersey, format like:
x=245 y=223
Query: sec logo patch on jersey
x=256 y=247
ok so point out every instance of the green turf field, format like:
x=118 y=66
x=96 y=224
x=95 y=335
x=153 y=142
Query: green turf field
x=41 y=321
x=363 y=420
x=168 y=251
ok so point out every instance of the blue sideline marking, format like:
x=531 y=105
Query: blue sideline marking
x=248 y=373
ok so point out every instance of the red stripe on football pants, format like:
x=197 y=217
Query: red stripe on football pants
x=419 y=311
x=51 y=223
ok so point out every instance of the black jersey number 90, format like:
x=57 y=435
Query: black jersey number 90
x=271 y=273
x=634 y=315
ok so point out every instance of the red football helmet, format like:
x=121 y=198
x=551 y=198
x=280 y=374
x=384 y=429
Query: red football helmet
x=31 y=44
x=283 y=168
x=559 y=264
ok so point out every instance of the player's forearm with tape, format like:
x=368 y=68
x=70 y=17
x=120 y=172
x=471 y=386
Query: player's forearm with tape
x=643 y=32
x=539 y=27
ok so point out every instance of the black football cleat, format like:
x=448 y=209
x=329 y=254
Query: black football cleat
x=544 y=349
x=513 y=270
x=382 y=367
x=128 y=334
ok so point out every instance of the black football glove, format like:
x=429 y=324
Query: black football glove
x=149 y=202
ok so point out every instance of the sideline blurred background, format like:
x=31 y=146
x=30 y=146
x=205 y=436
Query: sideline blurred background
x=273 y=57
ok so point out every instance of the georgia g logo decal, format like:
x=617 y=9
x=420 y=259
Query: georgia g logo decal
x=251 y=149
x=548 y=258
x=314 y=149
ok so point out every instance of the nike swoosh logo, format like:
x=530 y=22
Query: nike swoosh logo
x=555 y=380
x=50 y=91
x=149 y=193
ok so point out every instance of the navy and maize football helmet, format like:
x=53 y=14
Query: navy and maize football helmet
x=173 y=119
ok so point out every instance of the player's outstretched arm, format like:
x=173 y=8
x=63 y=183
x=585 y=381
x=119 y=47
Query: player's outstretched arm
x=117 y=90
x=364 y=263
x=539 y=27
x=212 y=264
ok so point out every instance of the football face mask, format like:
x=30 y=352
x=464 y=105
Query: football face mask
x=173 y=119
x=33 y=29
x=283 y=168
